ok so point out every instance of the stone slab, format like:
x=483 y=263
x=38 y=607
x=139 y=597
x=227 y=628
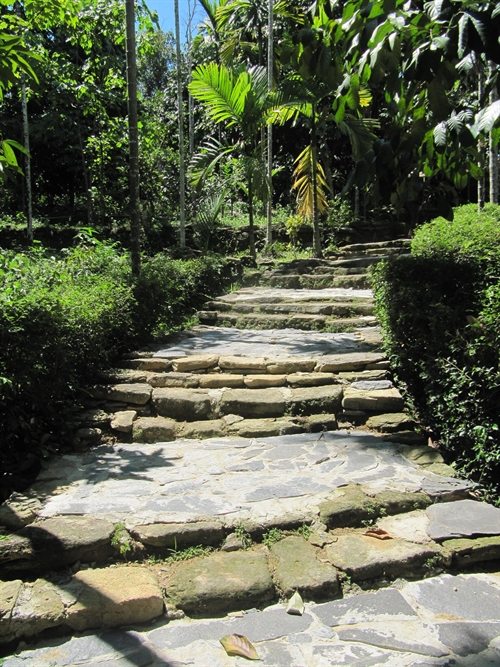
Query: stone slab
x=243 y=363
x=212 y=428
x=182 y=404
x=311 y=379
x=221 y=581
x=310 y=400
x=363 y=557
x=262 y=381
x=9 y=592
x=136 y=394
x=463 y=518
x=253 y=402
x=123 y=421
x=219 y=380
x=348 y=362
x=179 y=535
x=296 y=567
x=469 y=551
x=18 y=511
x=380 y=400
x=153 y=429
x=382 y=606
x=390 y=423
x=186 y=380
x=195 y=362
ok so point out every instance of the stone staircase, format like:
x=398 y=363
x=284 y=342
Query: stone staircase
x=262 y=452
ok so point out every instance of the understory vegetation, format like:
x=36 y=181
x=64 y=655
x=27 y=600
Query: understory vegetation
x=63 y=316
x=440 y=310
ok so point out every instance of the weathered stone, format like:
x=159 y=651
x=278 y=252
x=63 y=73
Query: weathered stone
x=179 y=535
x=18 y=511
x=322 y=422
x=195 y=362
x=253 y=402
x=109 y=598
x=220 y=380
x=357 y=376
x=95 y=417
x=221 y=582
x=261 y=381
x=423 y=456
x=363 y=557
x=122 y=421
x=297 y=568
x=311 y=379
x=372 y=385
x=441 y=469
x=381 y=400
x=122 y=375
x=9 y=592
x=229 y=420
x=260 y=428
x=60 y=541
x=38 y=607
x=153 y=429
x=182 y=404
x=86 y=437
x=387 y=604
x=309 y=400
x=462 y=518
x=154 y=365
x=285 y=366
x=137 y=394
x=349 y=509
x=233 y=543
x=396 y=502
x=411 y=526
x=186 y=380
x=469 y=551
x=212 y=428
x=411 y=438
x=390 y=423
x=348 y=362
x=243 y=363
x=16 y=548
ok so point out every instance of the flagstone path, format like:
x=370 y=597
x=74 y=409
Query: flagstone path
x=271 y=441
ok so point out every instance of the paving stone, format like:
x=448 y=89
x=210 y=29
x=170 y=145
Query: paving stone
x=182 y=404
x=195 y=362
x=111 y=597
x=201 y=430
x=220 y=582
x=467 y=639
x=179 y=535
x=153 y=429
x=469 y=551
x=307 y=400
x=456 y=598
x=384 y=606
x=359 y=376
x=243 y=363
x=311 y=379
x=18 y=511
x=9 y=592
x=261 y=381
x=422 y=455
x=372 y=385
x=253 y=402
x=285 y=366
x=388 y=639
x=348 y=362
x=363 y=557
x=463 y=518
x=38 y=607
x=186 y=380
x=123 y=421
x=411 y=526
x=382 y=400
x=219 y=380
x=296 y=567
x=390 y=423
x=152 y=365
x=258 y=428
x=136 y=394
x=58 y=541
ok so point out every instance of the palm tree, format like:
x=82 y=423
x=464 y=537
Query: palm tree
x=239 y=99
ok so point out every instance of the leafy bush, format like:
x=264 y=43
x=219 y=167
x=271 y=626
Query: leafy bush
x=440 y=312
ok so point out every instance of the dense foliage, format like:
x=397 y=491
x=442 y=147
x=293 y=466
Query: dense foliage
x=440 y=311
x=64 y=317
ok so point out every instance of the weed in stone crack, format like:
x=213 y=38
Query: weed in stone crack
x=272 y=536
x=304 y=531
x=120 y=539
x=188 y=553
x=433 y=562
x=243 y=535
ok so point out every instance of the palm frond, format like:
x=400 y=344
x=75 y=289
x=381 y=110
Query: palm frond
x=303 y=184
x=359 y=133
x=205 y=161
x=207 y=219
x=223 y=93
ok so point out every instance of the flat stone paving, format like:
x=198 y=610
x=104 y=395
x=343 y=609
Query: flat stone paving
x=270 y=343
x=443 y=621
x=229 y=479
x=266 y=295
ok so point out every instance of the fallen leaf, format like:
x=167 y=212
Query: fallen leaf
x=379 y=533
x=239 y=645
x=295 y=605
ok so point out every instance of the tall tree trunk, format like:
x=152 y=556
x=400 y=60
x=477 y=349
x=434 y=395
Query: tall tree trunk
x=480 y=94
x=493 y=150
x=86 y=176
x=270 y=66
x=180 y=116
x=27 y=161
x=314 y=169
x=189 y=39
x=133 y=133
x=251 y=228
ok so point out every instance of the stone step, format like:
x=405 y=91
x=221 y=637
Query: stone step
x=341 y=308
x=318 y=281
x=271 y=320
x=378 y=246
x=328 y=266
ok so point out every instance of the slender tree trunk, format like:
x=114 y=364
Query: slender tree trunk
x=251 y=229
x=270 y=67
x=189 y=39
x=86 y=177
x=180 y=116
x=480 y=93
x=316 y=235
x=27 y=161
x=133 y=133
x=493 y=150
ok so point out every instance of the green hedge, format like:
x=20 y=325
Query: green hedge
x=62 y=318
x=440 y=312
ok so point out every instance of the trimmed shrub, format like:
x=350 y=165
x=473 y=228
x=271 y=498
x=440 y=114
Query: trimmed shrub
x=440 y=312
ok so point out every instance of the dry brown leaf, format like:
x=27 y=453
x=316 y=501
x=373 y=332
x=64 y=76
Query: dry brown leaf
x=378 y=533
x=239 y=645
